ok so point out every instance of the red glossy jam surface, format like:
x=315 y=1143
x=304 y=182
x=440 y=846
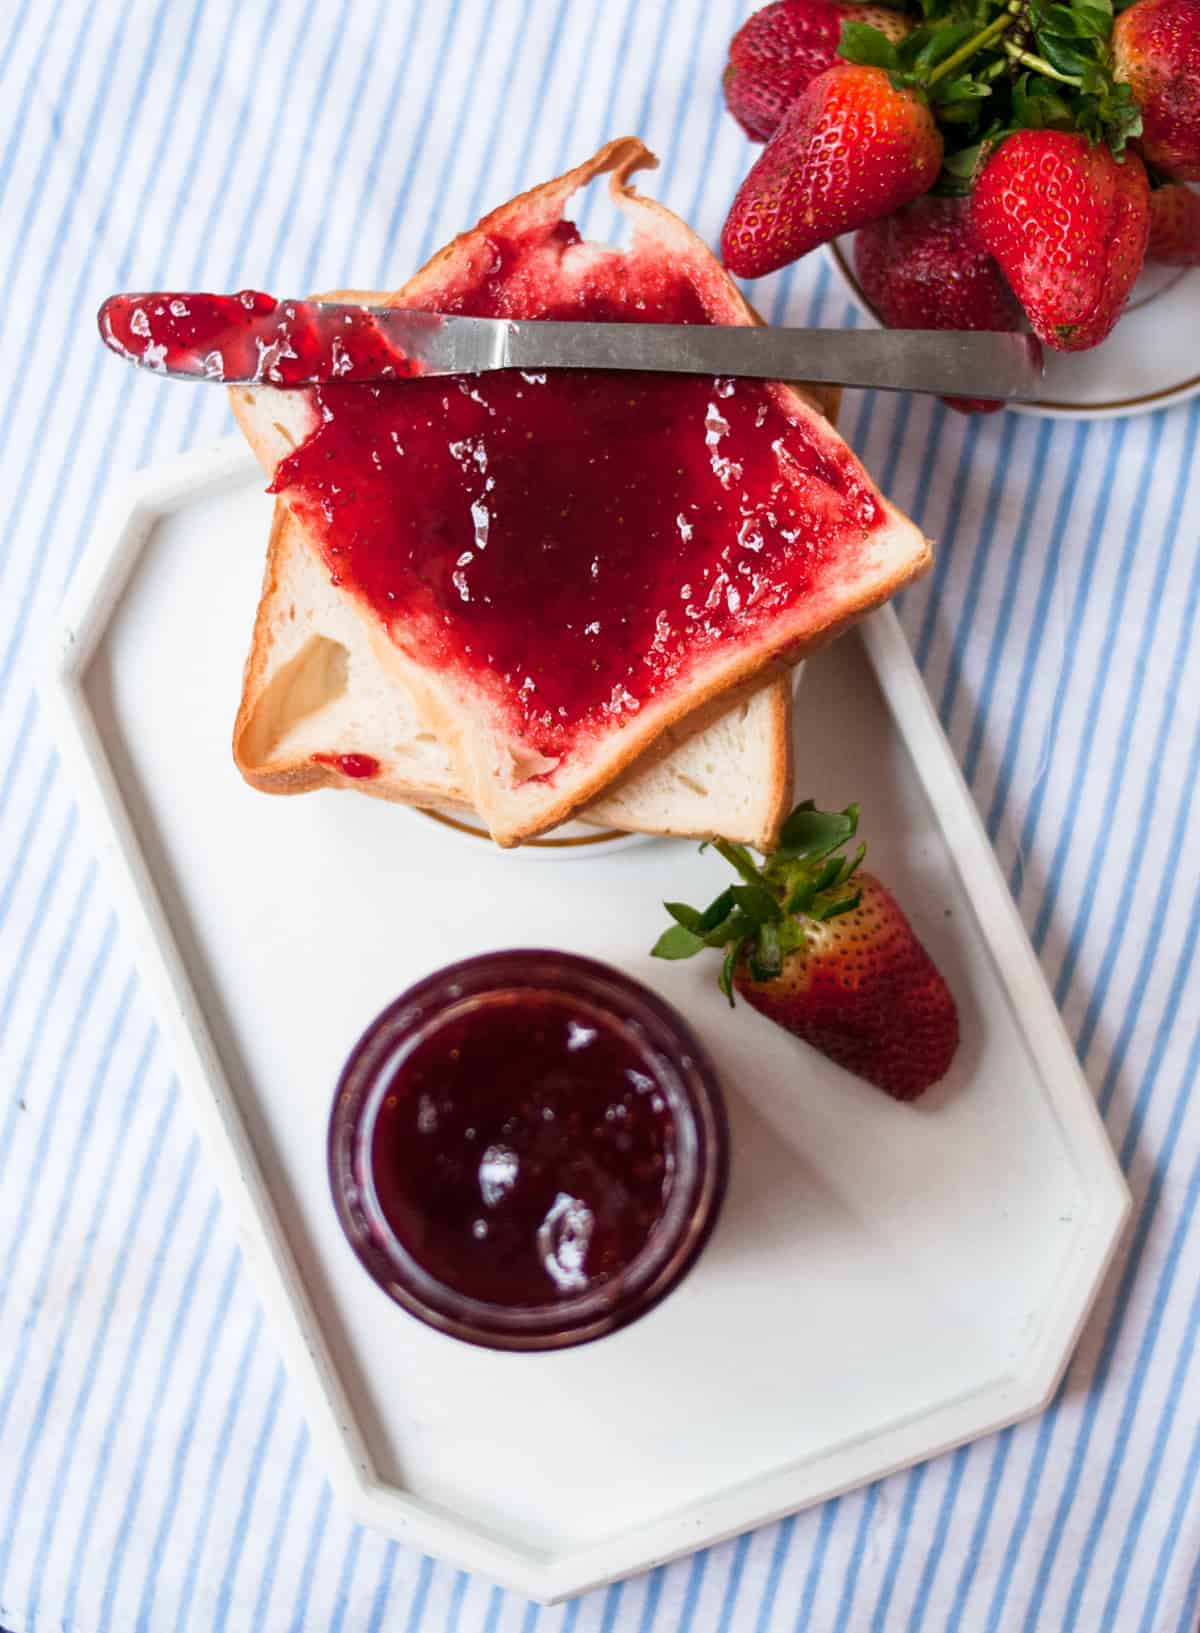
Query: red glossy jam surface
x=524 y=277
x=570 y=542
x=350 y=765
x=523 y=1150
x=249 y=335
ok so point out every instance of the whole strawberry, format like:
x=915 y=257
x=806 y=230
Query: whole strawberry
x=1068 y=224
x=867 y=995
x=1156 y=50
x=780 y=49
x=851 y=148
x=926 y=268
x=825 y=951
x=1174 y=226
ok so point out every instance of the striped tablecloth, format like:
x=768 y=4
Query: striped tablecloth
x=155 y=1471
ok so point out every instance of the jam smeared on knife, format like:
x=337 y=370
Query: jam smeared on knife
x=570 y=542
x=524 y=1149
x=232 y=337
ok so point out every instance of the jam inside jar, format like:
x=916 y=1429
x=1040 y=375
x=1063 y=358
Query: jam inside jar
x=528 y=1150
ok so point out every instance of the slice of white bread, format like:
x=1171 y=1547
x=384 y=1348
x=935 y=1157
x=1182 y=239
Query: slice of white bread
x=314 y=685
x=517 y=792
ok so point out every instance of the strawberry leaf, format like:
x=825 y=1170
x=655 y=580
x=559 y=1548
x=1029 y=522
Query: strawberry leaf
x=800 y=897
x=832 y=910
x=715 y=913
x=727 y=968
x=677 y=942
x=963 y=164
x=925 y=47
x=949 y=93
x=851 y=867
x=958 y=170
x=1113 y=115
x=1061 y=54
x=811 y=834
x=1037 y=105
x=740 y=859
x=1079 y=22
x=829 y=874
x=868 y=46
x=757 y=902
x=735 y=928
x=690 y=917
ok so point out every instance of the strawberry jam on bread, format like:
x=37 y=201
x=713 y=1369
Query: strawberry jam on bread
x=562 y=566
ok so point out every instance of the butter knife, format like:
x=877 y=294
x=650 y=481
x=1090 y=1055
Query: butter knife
x=252 y=339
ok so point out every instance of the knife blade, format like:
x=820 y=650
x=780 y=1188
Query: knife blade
x=252 y=339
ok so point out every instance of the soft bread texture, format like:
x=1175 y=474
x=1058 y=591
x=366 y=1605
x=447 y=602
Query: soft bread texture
x=725 y=770
x=515 y=799
x=314 y=685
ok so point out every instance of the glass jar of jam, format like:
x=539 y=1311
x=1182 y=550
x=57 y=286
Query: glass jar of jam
x=528 y=1150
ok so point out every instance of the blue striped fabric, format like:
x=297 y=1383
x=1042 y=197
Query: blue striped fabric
x=155 y=1471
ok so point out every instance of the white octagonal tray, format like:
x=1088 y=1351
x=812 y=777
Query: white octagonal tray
x=885 y=1282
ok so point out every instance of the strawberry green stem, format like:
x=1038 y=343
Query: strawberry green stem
x=1039 y=64
x=975 y=44
x=738 y=860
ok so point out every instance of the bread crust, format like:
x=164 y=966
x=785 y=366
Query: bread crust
x=810 y=627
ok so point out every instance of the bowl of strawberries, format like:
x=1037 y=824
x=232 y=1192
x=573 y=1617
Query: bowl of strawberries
x=987 y=164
